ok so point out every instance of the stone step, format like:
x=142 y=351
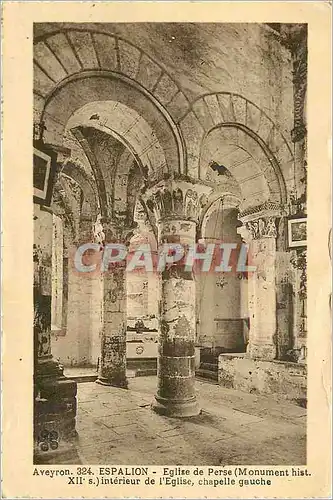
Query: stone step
x=207 y=374
x=83 y=378
x=209 y=366
x=209 y=358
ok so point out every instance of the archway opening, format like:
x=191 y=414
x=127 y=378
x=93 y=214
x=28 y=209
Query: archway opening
x=222 y=299
x=247 y=176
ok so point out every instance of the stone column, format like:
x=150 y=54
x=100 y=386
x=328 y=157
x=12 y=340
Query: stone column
x=176 y=208
x=42 y=287
x=112 y=362
x=54 y=394
x=261 y=235
x=284 y=306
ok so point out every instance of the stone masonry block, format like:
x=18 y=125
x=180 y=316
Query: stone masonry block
x=60 y=46
x=106 y=49
x=49 y=62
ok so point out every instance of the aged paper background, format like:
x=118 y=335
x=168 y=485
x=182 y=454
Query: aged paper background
x=18 y=234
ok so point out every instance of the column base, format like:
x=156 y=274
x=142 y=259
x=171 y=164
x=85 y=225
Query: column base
x=54 y=413
x=49 y=369
x=65 y=452
x=122 y=384
x=265 y=352
x=176 y=409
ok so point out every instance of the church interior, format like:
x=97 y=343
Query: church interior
x=161 y=133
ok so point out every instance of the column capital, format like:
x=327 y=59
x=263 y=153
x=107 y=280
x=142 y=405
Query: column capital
x=259 y=221
x=179 y=198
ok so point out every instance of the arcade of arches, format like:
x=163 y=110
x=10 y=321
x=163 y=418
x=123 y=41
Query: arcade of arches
x=155 y=142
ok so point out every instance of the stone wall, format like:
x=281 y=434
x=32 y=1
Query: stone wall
x=276 y=378
x=80 y=345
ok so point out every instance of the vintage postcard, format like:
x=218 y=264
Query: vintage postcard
x=166 y=250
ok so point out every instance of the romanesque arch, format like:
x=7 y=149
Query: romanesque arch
x=74 y=68
x=250 y=163
x=247 y=159
x=212 y=111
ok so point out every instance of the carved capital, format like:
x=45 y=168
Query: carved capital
x=260 y=221
x=264 y=227
x=177 y=200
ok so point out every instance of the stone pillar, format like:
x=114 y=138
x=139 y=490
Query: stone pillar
x=295 y=38
x=152 y=291
x=112 y=362
x=54 y=394
x=176 y=208
x=86 y=299
x=260 y=229
x=176 y=364
x=284 y=304
x=298 y=268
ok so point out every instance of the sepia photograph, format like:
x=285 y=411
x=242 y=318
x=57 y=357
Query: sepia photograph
x=170 y=309
x=166 y=249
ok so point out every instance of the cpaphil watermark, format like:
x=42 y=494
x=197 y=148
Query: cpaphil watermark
x=92 y=258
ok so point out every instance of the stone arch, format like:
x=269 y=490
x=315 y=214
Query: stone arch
x=214 y=110
x=127 y=127
x=69 y=51
x=78 y=133
x=88 y=87
x=121 y=182
x=249 y=161
x=71 y=64
x=216 y=203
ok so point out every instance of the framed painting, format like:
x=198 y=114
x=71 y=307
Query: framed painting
x=297 y=236
x=44 y=166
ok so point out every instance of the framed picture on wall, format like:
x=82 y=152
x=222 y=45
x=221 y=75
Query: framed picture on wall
x=44 y=165
x=297 y=232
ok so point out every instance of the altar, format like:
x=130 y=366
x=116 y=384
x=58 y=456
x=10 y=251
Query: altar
x=142 y=345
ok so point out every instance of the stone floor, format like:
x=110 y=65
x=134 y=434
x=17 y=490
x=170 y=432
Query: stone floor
x=88 y=374
x=117 y=426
